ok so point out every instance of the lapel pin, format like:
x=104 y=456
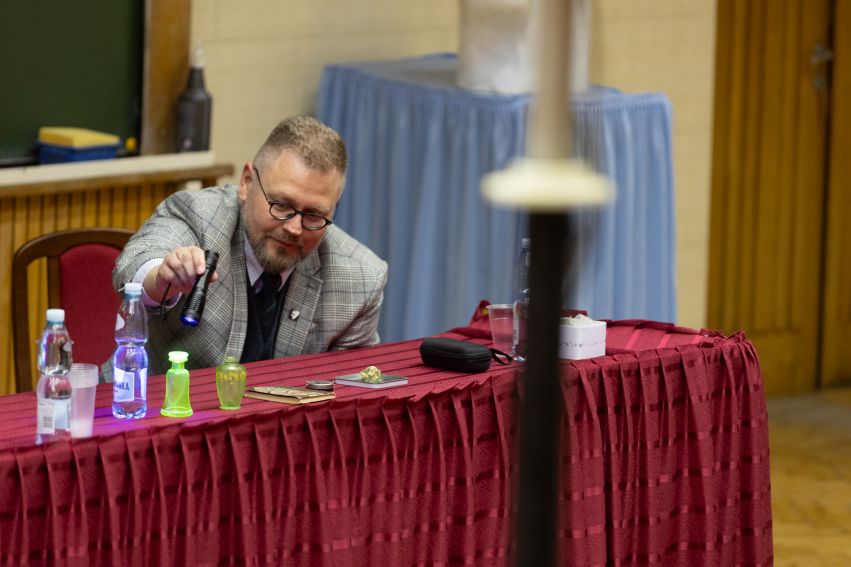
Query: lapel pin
x=294 y=314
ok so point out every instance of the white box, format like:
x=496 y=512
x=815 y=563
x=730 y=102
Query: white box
x=585 y=338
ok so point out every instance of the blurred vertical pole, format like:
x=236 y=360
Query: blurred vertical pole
x=540 y=421
x=549 y=134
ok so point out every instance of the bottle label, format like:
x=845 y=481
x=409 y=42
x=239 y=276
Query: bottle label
x=124 y=385
x=123 y=388
x=62 y=414
x=44 y=421
x=520 y=315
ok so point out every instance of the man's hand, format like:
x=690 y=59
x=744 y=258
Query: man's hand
x=179 y=269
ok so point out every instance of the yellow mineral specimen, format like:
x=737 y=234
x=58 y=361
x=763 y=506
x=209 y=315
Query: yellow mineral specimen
x=371 y=374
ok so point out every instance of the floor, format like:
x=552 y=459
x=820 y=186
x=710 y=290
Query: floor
x=811 y=478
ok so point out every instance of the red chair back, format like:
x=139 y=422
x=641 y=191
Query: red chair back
x=79 y=280
x=90 y=302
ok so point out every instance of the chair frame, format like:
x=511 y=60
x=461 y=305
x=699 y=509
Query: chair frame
x=50 y=246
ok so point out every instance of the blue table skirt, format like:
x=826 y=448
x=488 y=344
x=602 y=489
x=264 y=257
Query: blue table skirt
x=418 y=147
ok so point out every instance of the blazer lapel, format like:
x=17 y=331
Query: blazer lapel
x=299 y=307
x=239 y=326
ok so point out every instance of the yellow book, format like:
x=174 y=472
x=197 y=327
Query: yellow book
x=288 y=395
x=75 y=137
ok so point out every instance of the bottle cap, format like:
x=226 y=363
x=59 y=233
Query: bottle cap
x=196 y=57
x=178 y=356
x=55 y=315
x=133 y=288
x=526 y=243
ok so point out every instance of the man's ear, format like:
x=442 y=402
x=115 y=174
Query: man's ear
x=244 y=179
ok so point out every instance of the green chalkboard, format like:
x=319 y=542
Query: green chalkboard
x=68 y=64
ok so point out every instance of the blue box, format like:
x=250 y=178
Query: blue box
x=50 y=153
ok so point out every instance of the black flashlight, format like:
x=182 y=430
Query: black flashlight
x=193 y=308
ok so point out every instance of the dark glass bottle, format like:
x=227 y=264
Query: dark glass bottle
x=194 y=109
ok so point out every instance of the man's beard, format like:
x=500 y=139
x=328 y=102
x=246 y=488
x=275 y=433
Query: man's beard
x=274 y=261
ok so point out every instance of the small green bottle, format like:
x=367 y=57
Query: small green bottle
x=230 y=383
x=176 y=402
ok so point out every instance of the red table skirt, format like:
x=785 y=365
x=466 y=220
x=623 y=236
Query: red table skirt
x=667 y=465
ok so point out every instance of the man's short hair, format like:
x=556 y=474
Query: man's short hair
x=317 y=145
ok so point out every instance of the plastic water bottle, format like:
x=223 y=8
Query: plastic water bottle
x=194 y=108
x=53 y=390
x=521 y=301
x=130 y=361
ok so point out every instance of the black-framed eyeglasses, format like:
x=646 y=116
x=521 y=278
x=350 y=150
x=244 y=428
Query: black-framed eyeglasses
x=283 y=211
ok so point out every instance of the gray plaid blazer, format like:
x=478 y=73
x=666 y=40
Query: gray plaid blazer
x=333 y=301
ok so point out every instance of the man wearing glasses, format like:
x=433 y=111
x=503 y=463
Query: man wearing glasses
x=288 y=280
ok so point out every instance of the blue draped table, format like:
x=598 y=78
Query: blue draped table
x=418 y=147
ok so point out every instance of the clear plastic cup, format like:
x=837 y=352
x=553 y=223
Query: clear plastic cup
x=84 y=381
x=502 y=326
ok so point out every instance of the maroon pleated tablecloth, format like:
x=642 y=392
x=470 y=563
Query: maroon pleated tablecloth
x=665 y=462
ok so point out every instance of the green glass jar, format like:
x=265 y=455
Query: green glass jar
x=176 y=402
x=230 y=383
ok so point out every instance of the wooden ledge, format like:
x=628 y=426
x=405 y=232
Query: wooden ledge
x=83 y=176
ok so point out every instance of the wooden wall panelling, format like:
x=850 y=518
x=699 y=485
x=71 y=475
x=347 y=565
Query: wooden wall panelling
x=146 y=197
x=7 y=250
x=131 y=195
x=61 y=203
x=784 y=160
x=753 y=42
x=104 y=208
x=765 y=231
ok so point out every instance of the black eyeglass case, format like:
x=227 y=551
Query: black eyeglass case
x=460 y=356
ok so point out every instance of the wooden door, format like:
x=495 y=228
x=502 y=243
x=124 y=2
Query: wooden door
x=768 y=186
